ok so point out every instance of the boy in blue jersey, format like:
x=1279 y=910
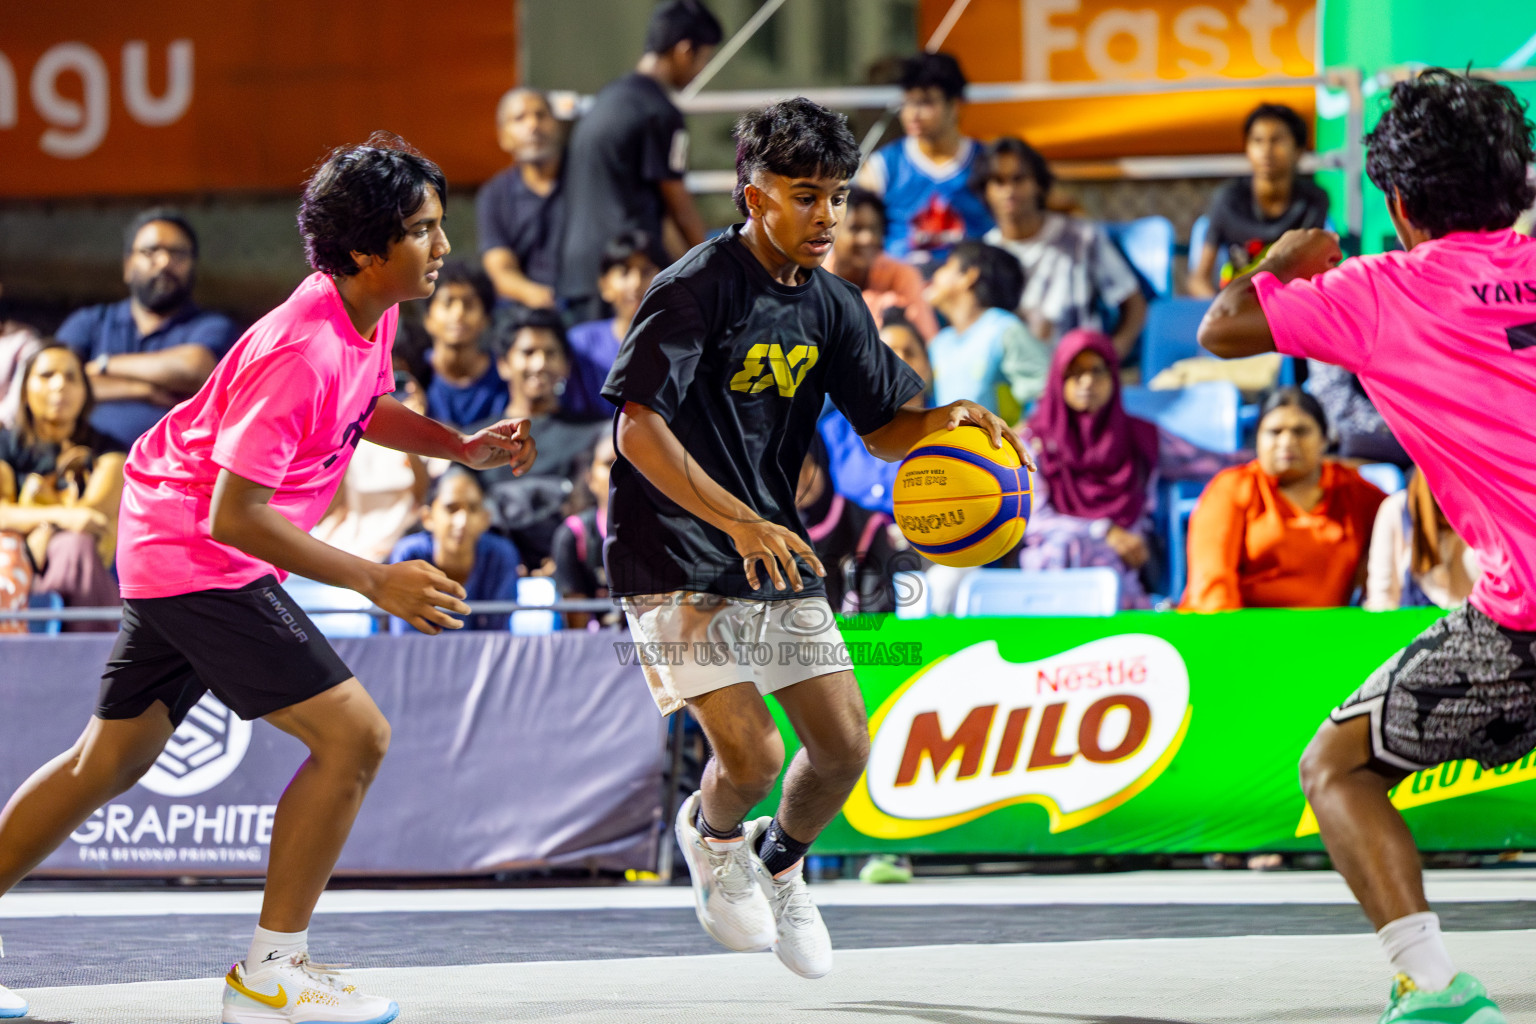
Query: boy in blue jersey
x=923 y=177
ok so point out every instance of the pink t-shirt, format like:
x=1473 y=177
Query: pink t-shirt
x=285 y=409
x=1443 y=338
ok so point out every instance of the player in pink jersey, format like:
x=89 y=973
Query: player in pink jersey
x=1443 y=338
x=218 y=502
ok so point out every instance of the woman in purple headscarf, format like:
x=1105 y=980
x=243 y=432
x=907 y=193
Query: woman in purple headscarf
x=1099 y=466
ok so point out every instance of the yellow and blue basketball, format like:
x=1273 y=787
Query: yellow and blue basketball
x=959 y=501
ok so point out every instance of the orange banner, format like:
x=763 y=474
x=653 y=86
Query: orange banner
x=1107 y=41
x=182 y=96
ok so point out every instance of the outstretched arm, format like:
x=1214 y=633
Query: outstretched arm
x=1235 y=324
x=505 y=443
x=893 y=441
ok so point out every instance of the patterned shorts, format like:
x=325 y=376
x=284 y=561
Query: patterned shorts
x=1464 y=689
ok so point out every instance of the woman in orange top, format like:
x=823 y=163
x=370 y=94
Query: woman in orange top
x=1287 y=530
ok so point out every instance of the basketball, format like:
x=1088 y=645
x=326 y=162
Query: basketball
x=959 y=501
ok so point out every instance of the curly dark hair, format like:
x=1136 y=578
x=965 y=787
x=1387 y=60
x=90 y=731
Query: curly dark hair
x=1455 y=148
x=1282 y=113
x=1028 y=157
x=795 y=138
x=933 y=71
x=359 y=198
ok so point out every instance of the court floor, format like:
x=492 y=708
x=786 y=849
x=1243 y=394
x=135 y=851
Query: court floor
x=1134 y=948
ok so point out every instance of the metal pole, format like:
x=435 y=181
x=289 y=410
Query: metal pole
x=942 y=32
x=664 y=858
x=723 y=56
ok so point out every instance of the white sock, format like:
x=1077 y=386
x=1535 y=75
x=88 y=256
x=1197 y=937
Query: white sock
x=269 y=949
x=1415 y=947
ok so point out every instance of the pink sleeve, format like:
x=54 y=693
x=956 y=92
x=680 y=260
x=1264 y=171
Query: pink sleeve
x=273 y=404
x=1331 y=317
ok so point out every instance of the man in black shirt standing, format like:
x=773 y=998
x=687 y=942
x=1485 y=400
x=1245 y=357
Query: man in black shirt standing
x=628 y=155
x=519 y=211
x=720 y=381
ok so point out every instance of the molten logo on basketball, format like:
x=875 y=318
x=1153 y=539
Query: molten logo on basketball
x=204 y=751
x=1079 y=733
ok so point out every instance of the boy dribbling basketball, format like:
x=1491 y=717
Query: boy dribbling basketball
x=720 y=381
x=1443 y=338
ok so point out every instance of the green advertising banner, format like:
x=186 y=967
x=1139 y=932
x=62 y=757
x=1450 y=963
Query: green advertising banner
x=1140 y=733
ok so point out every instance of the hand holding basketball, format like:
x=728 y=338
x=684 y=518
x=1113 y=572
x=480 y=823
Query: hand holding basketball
x=963 y=412
x=418 y=592
x=776 y=547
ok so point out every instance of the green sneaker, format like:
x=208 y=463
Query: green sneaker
x=883 y=869
x=1463 y=1001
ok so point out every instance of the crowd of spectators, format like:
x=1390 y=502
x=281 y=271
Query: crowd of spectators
x=978 y=273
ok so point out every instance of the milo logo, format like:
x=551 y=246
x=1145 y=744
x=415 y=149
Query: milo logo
x=1078 y=733
x=933 y=521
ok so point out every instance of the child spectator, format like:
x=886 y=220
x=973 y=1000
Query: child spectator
x=519 y=211
x=1416 y=558
x=1073 y=273
x=579 y=571
x=628 y=270
x=986 y=355
x=1247 y=215
x=1289 y=529
x=465 y=386
x=458 y=541
x=924 y=177
x=60 y=482
x=1099 y=466
x=858 y=256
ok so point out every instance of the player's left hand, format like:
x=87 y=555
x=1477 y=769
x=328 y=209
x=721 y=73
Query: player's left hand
x=1302 y=253
x=963 y=412
x=507 y=443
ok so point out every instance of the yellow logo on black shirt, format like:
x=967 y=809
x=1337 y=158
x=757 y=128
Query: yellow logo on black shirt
x=786 y=372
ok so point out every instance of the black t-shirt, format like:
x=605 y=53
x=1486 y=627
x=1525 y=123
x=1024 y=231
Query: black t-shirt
x=739 y=366
x=578 y=552
x=1237 y=222
x=632 y=139
x=510 y=215
x=42 y=456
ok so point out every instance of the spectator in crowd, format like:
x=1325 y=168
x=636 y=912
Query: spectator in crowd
x=465 y=386
x=519 y=212
x=60 y=481
x=924 y=177
x=1094 y=495
x=1287 y=530
x=628 y=155
x=856 y=474
x=457 y=540
x=17 y=343
x=857 y=546
x=1249 y=214
x=1073 y=274
x=381 y=496
x=579 y=570
x=858 y=256
x=986 y=354
x=1416 y=558
x=156 y=347
x=1361 y=433
x=535 y=360
x=627 y=271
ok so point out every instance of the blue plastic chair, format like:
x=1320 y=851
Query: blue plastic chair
x=913 y=598
x=1148 y=244
x=1208 y=414
x=1172 y=325
x=1384 y=475
x=535 y=590
x=49 y=601
x=311 y=595
x=994 y=592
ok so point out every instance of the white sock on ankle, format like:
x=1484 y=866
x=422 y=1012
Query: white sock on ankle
x=1415 y=947
x=271 y=948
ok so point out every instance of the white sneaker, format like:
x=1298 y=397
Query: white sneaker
x=299 y=991
x=803 y=944
x=11 y=1004
x=728 y=883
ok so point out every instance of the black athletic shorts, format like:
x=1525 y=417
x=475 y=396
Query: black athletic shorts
x=253 y=647
x=1465 y=688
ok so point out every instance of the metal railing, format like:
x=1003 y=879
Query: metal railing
x=113 y=614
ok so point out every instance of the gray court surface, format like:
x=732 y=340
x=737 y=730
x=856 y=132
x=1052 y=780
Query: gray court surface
x=1144 y=948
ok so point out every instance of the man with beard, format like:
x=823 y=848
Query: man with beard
x=518 y=212
x=156 y=347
